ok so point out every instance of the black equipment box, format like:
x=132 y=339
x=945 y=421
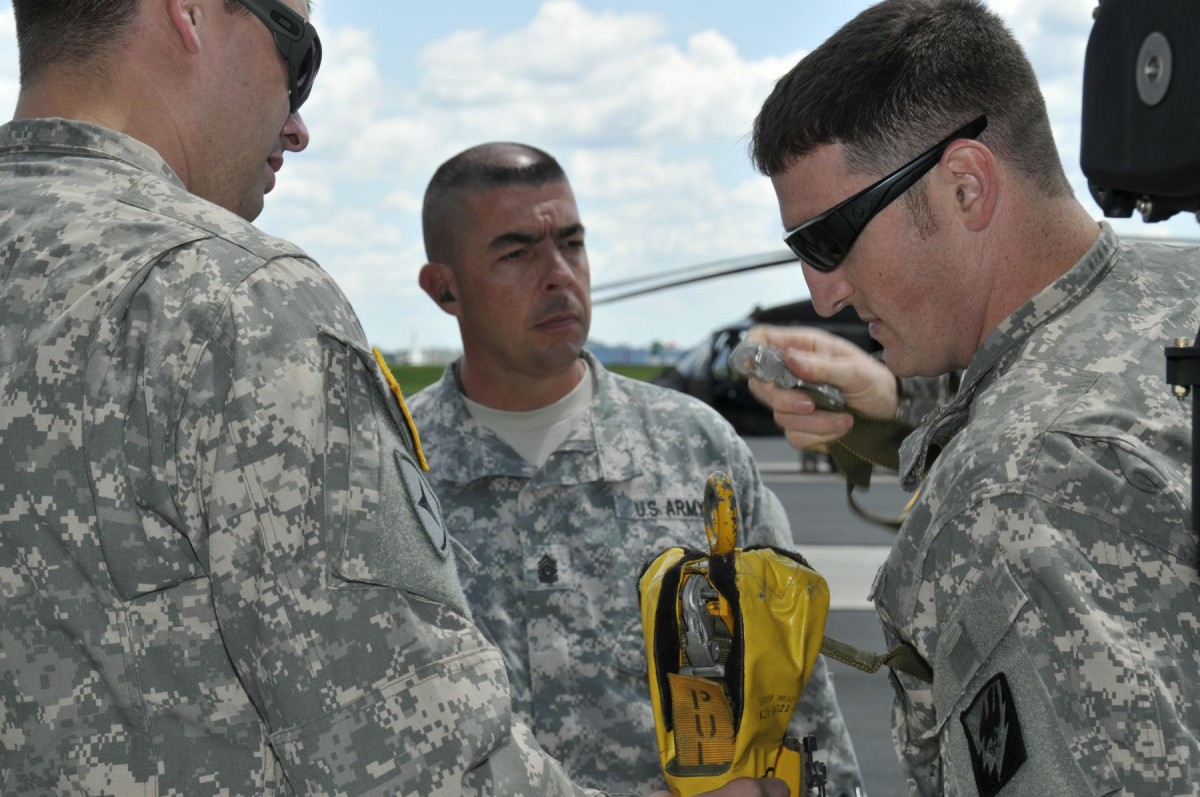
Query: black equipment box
x=1141 y=108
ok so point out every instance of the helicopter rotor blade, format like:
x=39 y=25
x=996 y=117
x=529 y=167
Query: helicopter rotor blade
x=707 y=271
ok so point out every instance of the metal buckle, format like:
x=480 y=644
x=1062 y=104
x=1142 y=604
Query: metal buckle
x=702 y=650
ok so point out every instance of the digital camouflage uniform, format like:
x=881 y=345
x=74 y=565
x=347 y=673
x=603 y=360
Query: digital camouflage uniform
x=560 y=548
x=1048 y=571
x=221 y=570
x=917 y=396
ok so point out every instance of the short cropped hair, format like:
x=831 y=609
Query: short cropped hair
x=901 y=76
x=72 y=31
x=481 y=168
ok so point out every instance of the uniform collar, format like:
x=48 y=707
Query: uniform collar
x=998 y=350
x=599 y=446
x=75 y=137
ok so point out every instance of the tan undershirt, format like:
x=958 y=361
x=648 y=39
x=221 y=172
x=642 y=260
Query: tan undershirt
x=535 y=434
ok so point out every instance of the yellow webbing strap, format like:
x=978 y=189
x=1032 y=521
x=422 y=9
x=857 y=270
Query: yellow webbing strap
x=703 y=724
x=903 y=658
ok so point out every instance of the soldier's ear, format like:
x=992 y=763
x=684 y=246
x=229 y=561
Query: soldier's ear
x=437 y=280
x=185 y=21
x=974 y=180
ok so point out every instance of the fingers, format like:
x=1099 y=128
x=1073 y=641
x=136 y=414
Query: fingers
x=818 y=356
x=811 y=339
x=750 y=787
x=804 y=426
x=814 y=432
x=773 y=787
x=744 y=787
x=795 y=413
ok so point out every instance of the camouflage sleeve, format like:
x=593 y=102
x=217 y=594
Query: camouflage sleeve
x=332 y=577
x=818 y=712
x=1063 y=648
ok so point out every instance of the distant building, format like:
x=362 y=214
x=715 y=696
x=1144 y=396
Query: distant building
x=415 y=355
x=433 y=356
x=630 y=355
x=656 y=355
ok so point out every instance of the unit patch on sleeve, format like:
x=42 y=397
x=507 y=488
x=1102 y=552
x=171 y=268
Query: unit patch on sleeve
x=428 y=510
x=994 y=736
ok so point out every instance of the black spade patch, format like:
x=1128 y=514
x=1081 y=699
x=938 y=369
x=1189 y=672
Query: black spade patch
x=994 y=736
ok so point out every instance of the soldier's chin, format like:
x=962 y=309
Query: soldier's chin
x=900 y=365
x=249 y=209
x=895 y=361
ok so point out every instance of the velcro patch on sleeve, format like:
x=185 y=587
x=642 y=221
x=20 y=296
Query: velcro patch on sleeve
x=994 y=738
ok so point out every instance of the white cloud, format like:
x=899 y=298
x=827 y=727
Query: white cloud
x=349 y=91
x=654 y=213
x=562 y=42
x=404 y=201
x=357 y=229
x=650 y=127
x=633 y=117
x=577 y=75
x=9 y=84
x=706 y=90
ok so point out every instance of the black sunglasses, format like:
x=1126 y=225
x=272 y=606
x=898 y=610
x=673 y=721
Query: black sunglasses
x=297 y=41
x=824 y=241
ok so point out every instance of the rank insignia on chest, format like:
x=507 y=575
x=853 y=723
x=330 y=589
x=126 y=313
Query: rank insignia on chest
x=548 y=567
x=994 y=738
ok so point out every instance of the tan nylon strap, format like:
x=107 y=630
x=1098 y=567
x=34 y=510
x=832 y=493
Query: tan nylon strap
x=703 y=724
x=902 y=658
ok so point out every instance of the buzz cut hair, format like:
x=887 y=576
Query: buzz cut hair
x=481 y=168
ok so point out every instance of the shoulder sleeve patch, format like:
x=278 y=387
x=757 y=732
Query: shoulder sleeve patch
x=994 y=738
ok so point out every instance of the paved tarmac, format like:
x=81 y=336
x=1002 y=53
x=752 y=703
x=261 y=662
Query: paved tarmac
x=847 y=551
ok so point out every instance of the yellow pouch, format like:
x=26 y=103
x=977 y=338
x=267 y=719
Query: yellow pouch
x=731 y=638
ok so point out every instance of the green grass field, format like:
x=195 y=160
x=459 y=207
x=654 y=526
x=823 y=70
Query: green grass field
x=415 y=377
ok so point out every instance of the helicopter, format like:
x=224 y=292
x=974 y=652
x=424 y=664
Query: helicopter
x=704 y=370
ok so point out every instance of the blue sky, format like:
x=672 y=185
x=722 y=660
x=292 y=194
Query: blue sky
x=646 y=105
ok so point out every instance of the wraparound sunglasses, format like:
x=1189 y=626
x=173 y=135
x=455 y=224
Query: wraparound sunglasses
x=824 y=241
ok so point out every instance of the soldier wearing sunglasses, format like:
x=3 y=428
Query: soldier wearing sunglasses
x=222 y=570
x=1047 y=572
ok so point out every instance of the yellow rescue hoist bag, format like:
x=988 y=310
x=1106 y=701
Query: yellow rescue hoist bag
x=731 y=639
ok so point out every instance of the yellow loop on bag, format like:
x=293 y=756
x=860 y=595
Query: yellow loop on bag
x=721 y=518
